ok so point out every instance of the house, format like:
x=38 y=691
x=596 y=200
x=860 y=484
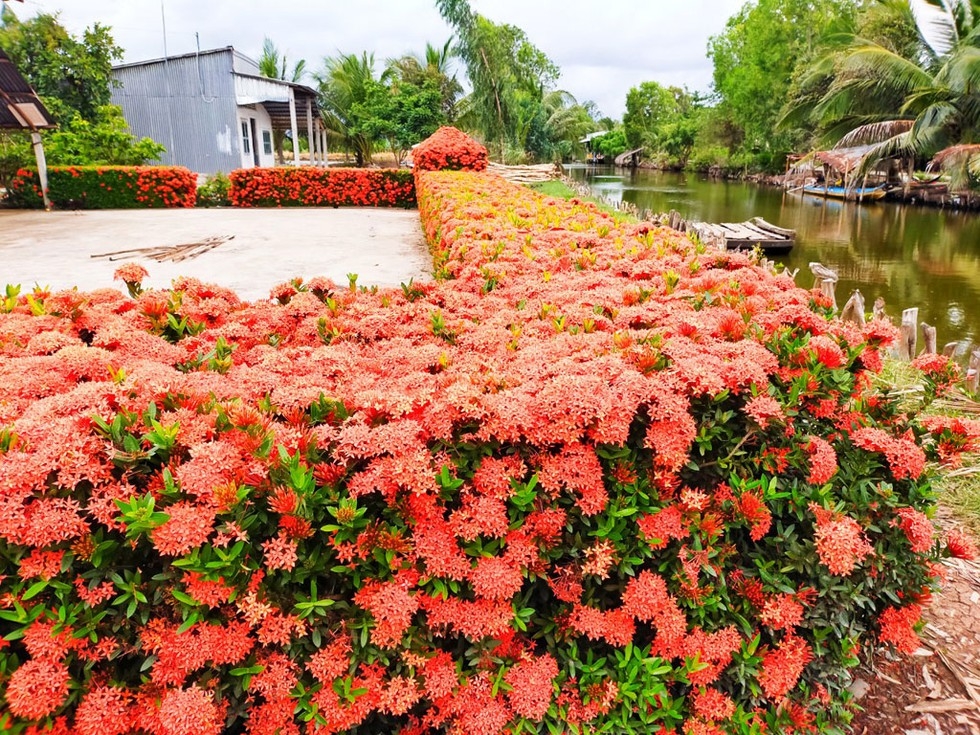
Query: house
x=213 y=111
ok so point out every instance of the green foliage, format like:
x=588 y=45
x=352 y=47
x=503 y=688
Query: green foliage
x=664 y=120
x=513 y=105
x=77 y=72
x=905 y=84
x=345 y=82
x=755 y=59
x=611 y=144
x=214 y=191
x=432 y=67
x=401 y=115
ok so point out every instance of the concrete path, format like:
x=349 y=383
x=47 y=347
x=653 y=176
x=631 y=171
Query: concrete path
x=383 y=246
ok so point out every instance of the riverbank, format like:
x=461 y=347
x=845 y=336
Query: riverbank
x=909 y=256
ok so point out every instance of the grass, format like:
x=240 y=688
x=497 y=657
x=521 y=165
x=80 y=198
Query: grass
x=560 y=190
x=958 y=489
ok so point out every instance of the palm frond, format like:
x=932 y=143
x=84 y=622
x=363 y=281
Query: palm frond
x=886 y=68
x=960 y=162
x=875 y=132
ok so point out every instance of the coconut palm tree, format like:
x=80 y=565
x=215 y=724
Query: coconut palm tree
x=345 y=82
x=917 y=107
x=434 y=64
x=274 y=65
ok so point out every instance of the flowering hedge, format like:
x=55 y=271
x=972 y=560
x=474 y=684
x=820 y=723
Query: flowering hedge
x=321 y=187
x=107 y=187
x=595 y=477
x=449 y=149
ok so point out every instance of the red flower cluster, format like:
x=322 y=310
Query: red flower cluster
x=449 y=149
x=308 y=186
x=107 y=187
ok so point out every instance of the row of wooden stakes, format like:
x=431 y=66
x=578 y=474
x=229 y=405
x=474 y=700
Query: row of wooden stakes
x=854 y=311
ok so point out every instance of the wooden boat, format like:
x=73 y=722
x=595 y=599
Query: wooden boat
x=754 y=233
x=861 y=193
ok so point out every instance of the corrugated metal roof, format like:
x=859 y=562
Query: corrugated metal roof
x=20 y=108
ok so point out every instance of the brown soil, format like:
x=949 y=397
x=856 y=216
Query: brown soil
x=936 y=691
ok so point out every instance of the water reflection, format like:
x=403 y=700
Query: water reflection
x=910 y=256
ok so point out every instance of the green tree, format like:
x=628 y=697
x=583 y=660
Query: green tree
x=275 y=65
x=913 y=100
x=432 y=66
x=73 y=77
x=73 y=74
x=401 y=114
x=345 y=83
x=755 y=60
x=507 y=73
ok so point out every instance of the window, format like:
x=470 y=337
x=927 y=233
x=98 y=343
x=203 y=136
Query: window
x=267 y=142
x=246 y=137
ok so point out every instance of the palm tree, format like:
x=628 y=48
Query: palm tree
x=274 y=65
x=344 y=82
x=434 y=64
x=917 y=107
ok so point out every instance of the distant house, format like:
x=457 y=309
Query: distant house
x=213 y=111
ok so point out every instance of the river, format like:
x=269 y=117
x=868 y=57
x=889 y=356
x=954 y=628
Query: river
x=908 y=255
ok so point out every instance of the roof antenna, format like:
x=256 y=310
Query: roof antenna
x=166 y=74
x=200 y=72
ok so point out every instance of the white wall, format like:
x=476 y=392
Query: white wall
x=262 y=124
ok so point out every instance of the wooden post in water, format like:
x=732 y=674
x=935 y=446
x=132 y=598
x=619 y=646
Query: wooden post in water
x=853 y=310
x=826 y=280
x=929 y=337
x=879 y=309
x=973 y=373
x=909 y=329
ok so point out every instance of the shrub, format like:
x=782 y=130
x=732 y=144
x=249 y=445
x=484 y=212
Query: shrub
x=214 y=192
x=106 y=187
x=449 y=149
x=321 y=187
x=596 y=477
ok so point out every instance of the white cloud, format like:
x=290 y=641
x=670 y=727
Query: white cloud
x=602 y=48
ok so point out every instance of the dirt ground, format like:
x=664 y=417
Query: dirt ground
x=936 y=691
x=255 y=250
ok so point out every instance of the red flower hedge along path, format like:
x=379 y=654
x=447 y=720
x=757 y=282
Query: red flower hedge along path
x=318 y=187
x=107 y=187
x=596 y=478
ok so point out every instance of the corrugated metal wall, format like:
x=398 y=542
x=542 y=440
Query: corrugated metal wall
x=195 y=116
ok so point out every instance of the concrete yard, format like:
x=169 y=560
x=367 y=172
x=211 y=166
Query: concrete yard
x=384 y=247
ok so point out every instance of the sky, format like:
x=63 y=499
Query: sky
x=602 y=48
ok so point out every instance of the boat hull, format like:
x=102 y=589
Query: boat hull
x=866 y=193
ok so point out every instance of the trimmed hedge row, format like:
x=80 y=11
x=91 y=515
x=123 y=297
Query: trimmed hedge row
x=106 y=187
x=596 y=477
x=308 y=186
